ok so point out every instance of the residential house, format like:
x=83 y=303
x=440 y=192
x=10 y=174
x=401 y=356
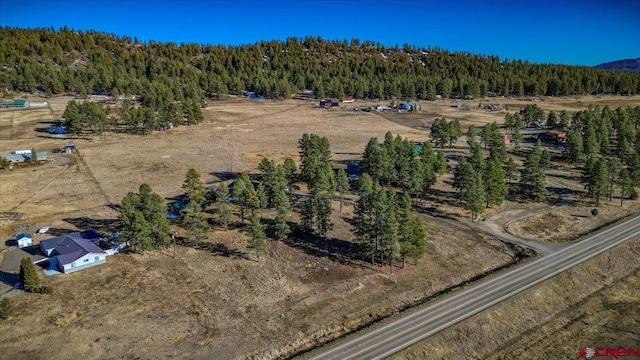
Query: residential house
x=75 y=251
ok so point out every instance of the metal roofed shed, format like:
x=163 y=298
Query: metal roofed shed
x=15 y=104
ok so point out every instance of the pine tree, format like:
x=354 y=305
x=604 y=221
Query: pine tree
x=342 y=185
x=194 y=187
x=290 y=172
x=240 y=191
x=471 y=135
x=454 y=131
x=195 y=222
x=28 y=276
x=281 y=221
x=494 y=183
x=224 y=208
x=510 y=169
x=463 y=177
x=257 y=235
x=440 y=167
x=532 y=176
x=626 y=185
x=574 y=146
x=475 y=195
x=440 y=132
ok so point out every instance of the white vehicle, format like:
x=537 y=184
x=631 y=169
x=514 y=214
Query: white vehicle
x=43 y=230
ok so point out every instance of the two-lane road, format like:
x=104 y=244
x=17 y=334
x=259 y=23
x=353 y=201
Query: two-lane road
x=418 y=325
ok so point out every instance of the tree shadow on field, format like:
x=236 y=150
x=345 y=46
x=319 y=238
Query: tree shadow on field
x=213 y=248
x=103 y=226
x=344 y=252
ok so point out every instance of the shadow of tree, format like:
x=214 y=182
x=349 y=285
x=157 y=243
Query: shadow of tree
x=344 y=252
x=213 y=248
x=103 y=226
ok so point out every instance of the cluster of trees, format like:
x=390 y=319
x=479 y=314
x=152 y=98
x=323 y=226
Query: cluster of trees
x=605 y=142
x=384 y=223
x=443 y=132
x=65 y=60
x=141 y=119
x=396 y=162
x=85 y=115
x=481 y=182
x=316 y=169
x=143 y=220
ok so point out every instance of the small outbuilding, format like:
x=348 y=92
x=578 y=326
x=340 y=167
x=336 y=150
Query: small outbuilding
x=24 y=240
x=15 y=104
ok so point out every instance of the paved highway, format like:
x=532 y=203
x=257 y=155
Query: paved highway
x=418 y=325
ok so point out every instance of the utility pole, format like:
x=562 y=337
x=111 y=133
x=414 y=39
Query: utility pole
x=173 y=237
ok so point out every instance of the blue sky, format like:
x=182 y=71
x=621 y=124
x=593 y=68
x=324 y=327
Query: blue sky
x=585 y=32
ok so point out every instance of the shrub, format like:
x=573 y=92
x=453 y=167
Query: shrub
x=6 y=308
x=594 y=212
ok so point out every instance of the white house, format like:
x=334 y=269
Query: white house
x=75 y=251
x=24 y=240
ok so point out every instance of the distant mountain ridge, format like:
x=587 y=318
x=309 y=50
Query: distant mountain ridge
x=628 y=65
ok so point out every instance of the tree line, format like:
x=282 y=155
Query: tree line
x=86 y=62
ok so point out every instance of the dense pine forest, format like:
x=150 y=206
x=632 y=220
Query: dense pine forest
x=68 y=61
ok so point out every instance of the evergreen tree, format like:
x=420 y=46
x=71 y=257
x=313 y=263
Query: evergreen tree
x=598 y=179
x=574 y=149
x=626 y=185
x=475 y=195
x=440 y=166
x=454 y=131
x=143 y=220
x=614 y=167
x=224 y=208
x=72 y=119
x=154 y=211
x=552 y=119
x=28 y=276
x=471 y=135
x=6 y=308
x=290 y=172
x=281 y=221
x=257 y=235
x=494 y=183
x=440 y=132
x=463 y=177
x=195 y=222
x=194 y=187
x=240 y=192
x=261 y=195
x=510 y=169
x=342 y=185
x=532 y=176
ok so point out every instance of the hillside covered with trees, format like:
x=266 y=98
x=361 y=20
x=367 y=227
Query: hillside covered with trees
x=69 y=61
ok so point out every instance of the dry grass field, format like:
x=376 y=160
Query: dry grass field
x=216 y=301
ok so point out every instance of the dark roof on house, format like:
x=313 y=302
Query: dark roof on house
x=71 y=247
